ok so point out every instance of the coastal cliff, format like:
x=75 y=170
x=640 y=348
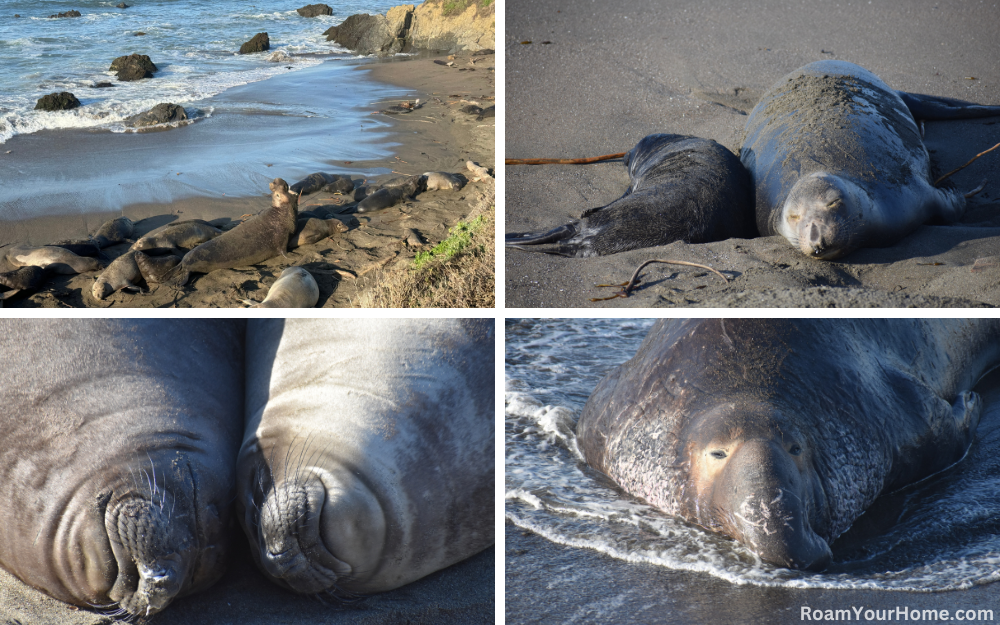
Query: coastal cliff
x=444 y=25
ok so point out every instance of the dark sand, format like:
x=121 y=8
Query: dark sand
x=435 y=137
x=463 y=593
x=611 y=76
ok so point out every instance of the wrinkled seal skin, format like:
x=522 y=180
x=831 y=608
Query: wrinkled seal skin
x=366 y=482
x=838 y=163
x=261 y=237
x=294 y=288
x=780 y=433
x=117 y=440
x=683 y=189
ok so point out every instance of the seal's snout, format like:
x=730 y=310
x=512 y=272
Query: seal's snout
x=769 y=503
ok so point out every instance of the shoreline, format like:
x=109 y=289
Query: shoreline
x=434 y=138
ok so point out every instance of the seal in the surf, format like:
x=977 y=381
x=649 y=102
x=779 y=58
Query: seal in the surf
x=117 y=440
x=294 y=288
x=366 y=486
x=838 y=163
x=261 y=237
x=780 y=433
x=682 y=189
x=57 y=259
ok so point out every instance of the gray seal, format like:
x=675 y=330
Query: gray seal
x=441 y=181
x=56 y=259
x=117 y=230
x=363 y=483
x=334 y=183
x=389 y=196
x=312 y=230
x=182 y=234
x=682 y=189
x=838 y=163
x=117 y=440
x=779 y=433
x=261 y=237
x=122 y=273
x=294 y=288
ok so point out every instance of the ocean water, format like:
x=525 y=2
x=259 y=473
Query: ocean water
x=942 y=534
x=193 y=44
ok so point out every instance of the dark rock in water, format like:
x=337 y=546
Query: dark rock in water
x=375 y=34
x=101 y=85
x=67 y=14
x=139 y=34
x=57 y=102
x=313 y=10
x=16 y=15
x=259 y=43
x=162 y=113
x=122 y=5
x=133 y=67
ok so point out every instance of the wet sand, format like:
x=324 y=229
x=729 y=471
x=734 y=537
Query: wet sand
x=436 y=137
x=609 y=77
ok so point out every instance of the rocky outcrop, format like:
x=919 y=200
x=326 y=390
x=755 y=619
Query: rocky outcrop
x=133 y=67
x=451 y=25
x=57 y=102
x=314 y=10
x=163 y=113
x=259 y=43
x=66 y=14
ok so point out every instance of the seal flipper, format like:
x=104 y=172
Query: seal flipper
x=566 y=231
x=935 y=108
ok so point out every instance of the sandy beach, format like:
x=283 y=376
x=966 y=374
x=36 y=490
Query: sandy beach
x=595 y=81
x=435 y=137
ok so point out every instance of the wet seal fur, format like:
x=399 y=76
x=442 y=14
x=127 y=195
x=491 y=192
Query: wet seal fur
x=294 y=288
x=364 y=487
x=838 y=163
x=261 y=237
x=780 y=433
x=682 y=189
x=116 y=447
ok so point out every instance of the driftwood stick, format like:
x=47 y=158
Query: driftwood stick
x=561 y=161
x=938 y=181
x=631 y=284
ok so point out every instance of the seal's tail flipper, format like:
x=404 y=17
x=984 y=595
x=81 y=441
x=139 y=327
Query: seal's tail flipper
x=521 y=239
x=934 y=108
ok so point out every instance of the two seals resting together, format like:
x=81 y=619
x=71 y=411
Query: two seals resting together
x=119 y=442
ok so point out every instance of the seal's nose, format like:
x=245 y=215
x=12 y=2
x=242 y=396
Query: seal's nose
x=816 y=241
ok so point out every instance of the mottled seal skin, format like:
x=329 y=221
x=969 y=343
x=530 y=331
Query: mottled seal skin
x=311 y=230
x=682 y=189
x=186 y=235
x=441 y=181
x=364 y=485
x=779 y=433
x=334 y=183
x=56 y=259
x=294 y=288
x=388 y=196
x=838 y=163
x=122 y=273
x=259 y=238
x=117 y=230
x=117 y=440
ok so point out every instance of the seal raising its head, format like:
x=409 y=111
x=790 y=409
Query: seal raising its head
x=683 y=189
x=838 y=163
x=780 y=433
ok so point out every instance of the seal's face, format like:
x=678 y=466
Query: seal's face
x=823 y=216
x=754 y=480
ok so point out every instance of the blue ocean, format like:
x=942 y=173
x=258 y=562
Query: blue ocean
x=193 y=44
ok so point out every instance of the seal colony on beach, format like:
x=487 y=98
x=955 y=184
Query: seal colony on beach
x=835 y=160
x=780 y=433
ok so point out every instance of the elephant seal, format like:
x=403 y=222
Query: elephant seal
x=261 y=237
x=122 y=273
x=388 y=196
x=184 y=234
x=117 y=230
x=334 y=183
x=57 y=259
x=81 y=247
x=364 y=485
x=155 y=269
x=24 y=278
x=441 y=181
x=294 y=288
x=779 y=433
x=117 y=441
x=311 y=230
x=838 y=163
x=682 y=189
